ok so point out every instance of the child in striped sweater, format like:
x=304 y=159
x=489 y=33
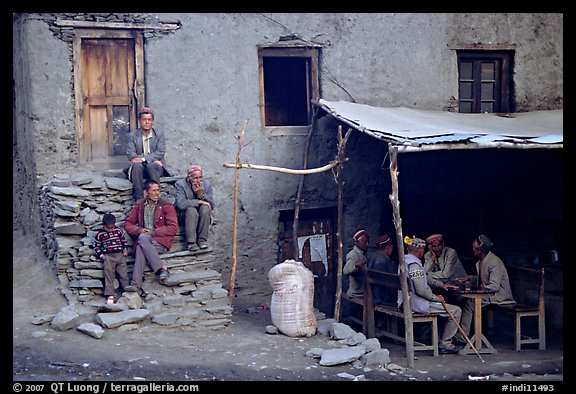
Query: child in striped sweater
x=110 y=245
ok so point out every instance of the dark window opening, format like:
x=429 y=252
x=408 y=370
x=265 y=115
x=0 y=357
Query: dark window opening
x=484 y=81
x=285 y=91
x=288 y=84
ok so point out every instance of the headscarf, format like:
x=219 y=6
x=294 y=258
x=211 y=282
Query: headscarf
x=194 y=168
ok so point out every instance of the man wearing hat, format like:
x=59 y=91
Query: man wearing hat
x=423 y=300
x=491 y=275
x=146 y=149
x=194 y=203
x=355 y=259
x=380 y=261
x=441 y=262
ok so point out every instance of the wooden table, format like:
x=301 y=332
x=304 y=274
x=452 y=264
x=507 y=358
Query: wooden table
x=478 y=339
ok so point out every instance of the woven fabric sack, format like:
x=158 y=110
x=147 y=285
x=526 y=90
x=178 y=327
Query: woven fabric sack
x=292 y=306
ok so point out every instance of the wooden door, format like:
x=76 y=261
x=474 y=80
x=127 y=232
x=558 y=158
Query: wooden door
x=108 y=107
x=316 y=245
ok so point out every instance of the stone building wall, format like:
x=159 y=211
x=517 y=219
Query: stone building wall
x=202 y=80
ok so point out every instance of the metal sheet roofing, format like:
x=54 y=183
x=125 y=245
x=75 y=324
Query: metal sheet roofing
x=414 y=127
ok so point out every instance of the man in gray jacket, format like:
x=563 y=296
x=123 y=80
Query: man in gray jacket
x=146 y=149
x=441 y=263
x=355 y=259
x=194 y=203
x=491 y=275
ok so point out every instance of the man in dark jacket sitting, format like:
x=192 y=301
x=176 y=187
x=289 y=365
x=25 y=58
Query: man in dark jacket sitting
x=152 y=224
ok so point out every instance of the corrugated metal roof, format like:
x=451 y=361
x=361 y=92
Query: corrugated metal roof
x=414 y=127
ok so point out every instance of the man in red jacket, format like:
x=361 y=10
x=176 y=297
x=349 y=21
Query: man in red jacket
x=152 y=224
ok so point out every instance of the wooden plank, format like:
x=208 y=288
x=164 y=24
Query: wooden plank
x=139 y=91
x=103 y=100
x=78 y=101
x=94 y=62
x=118 y=62
x=99 y=132
x=116 y=25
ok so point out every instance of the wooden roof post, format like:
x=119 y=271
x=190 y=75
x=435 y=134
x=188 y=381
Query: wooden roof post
x=408 y=327
x=235 y=217
x=340 y=158
x=298 y=202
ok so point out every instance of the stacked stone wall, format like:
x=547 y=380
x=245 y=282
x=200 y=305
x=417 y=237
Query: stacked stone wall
x=72 y=207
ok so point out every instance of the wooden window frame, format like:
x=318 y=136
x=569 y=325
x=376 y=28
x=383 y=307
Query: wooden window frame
x=312 y=55
x=503 y=80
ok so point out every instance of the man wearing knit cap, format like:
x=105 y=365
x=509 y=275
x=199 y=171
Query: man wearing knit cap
x=441 y=262
x=194 y=203
x=355 y=259
x=491 y=275
x=423 y=300
x=380 y=261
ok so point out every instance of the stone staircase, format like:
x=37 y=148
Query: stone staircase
x=73 y=206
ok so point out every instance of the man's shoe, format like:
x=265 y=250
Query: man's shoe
x=459 y=342
x=202 y=244
x=163 y=275
x=450 y=349
x=193 y=247
x=131 y=289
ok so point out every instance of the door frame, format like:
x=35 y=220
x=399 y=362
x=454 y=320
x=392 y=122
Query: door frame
x=324 y=286
x=138 y=93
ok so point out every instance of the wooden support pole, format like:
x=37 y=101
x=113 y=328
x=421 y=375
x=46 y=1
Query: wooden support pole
x=341 y=158
x=235 y=217
x=408 y=327
x=338 y=163
x=317 y=170
x=298 y=201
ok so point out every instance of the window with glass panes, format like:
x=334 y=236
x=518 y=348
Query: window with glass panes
x=484 y=82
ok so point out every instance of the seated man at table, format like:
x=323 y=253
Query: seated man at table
x=441 y=262
x=423 y=300
x=491 y=275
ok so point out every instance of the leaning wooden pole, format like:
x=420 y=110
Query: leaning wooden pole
x=298 y=203
x=408 y=328
x=235 y=218
x=340 y=159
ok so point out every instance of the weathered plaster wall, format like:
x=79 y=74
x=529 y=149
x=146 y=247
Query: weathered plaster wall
x=202 y=81
x=24 y=203
x=51 y=99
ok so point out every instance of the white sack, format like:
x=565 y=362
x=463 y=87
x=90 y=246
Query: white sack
x=292 y=306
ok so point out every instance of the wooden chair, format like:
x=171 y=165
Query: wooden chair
x=523 y=276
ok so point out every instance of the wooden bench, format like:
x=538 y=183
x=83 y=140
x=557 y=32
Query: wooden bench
x=390 y=280
x=523 y=277
x=354 y=300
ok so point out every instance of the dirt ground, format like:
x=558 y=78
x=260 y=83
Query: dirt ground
x=243 y=351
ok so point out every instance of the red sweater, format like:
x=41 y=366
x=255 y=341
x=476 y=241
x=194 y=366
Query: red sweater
x=165 y=223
